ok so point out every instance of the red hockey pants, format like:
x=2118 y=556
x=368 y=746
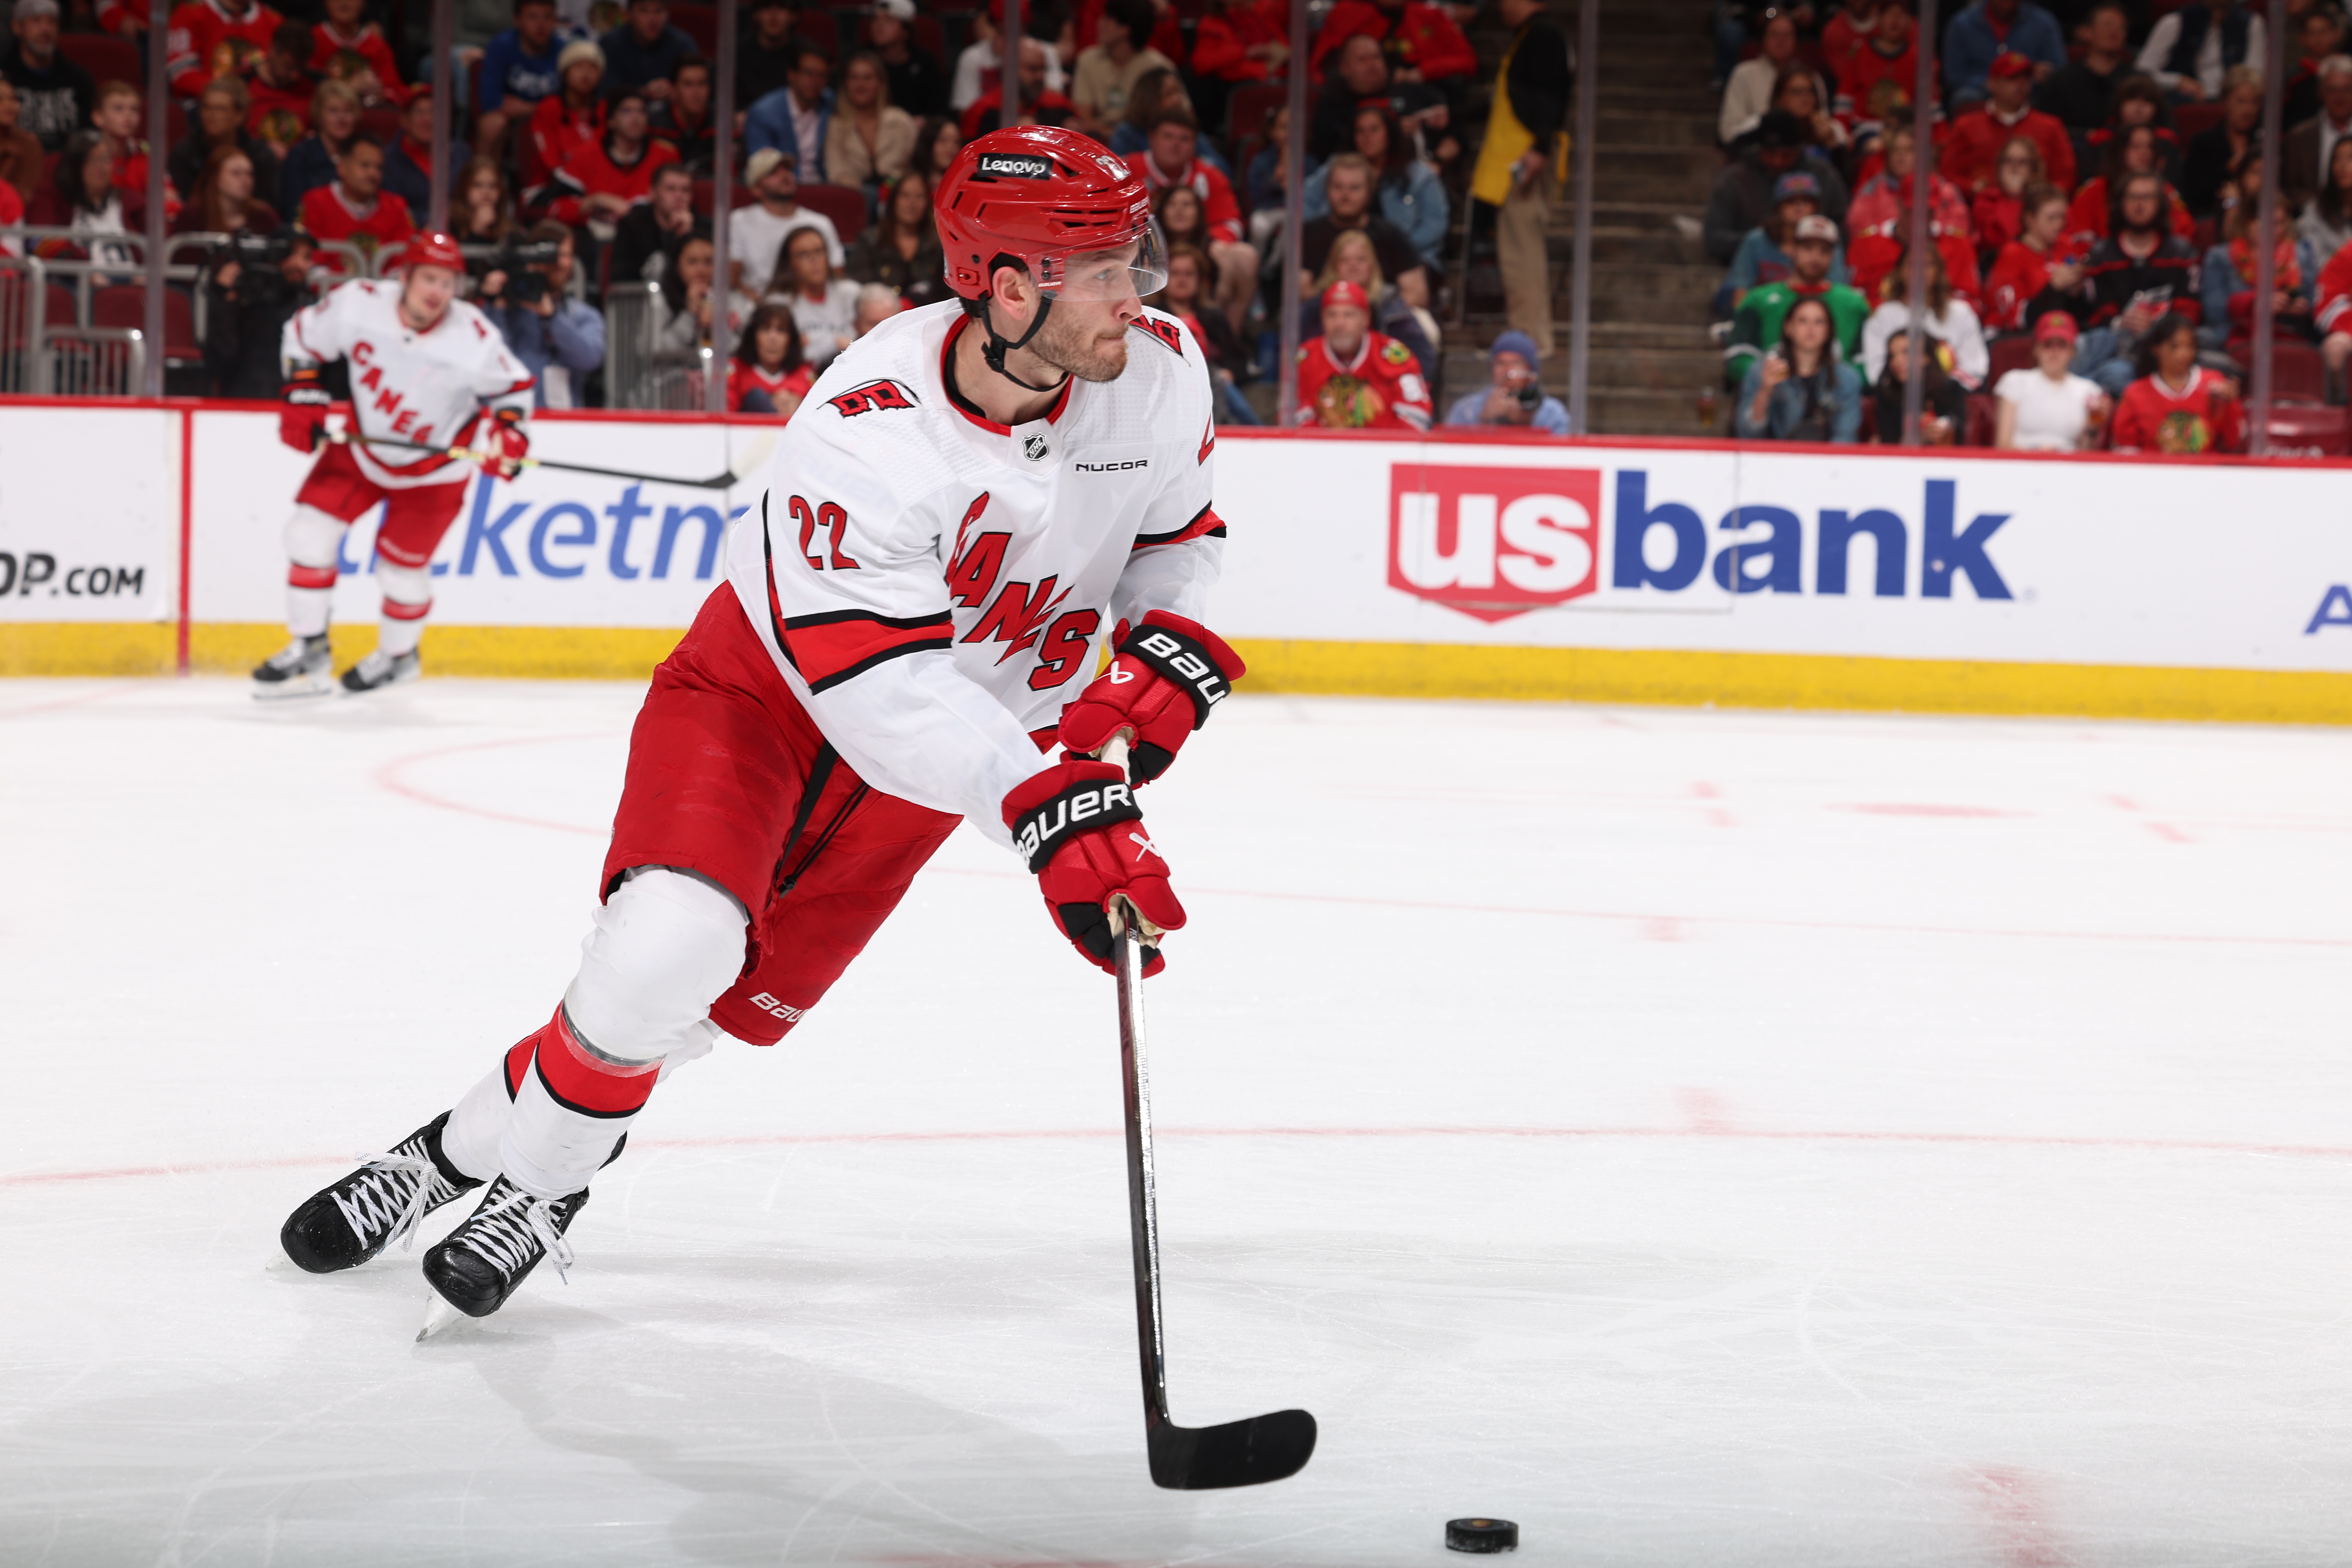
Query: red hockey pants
x=729 y=778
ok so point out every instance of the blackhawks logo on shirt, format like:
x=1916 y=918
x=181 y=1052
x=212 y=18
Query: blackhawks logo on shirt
x=1395 y=352
x=1347 y=403
x=2181 y=431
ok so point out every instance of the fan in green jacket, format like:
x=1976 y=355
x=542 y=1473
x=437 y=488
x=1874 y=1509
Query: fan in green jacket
x=1756 y=327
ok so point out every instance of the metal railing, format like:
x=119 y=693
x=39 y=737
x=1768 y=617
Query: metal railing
x=639 y=373
x=65 y=358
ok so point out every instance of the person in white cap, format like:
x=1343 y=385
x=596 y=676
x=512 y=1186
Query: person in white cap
x=755 y=234
x=918 y=82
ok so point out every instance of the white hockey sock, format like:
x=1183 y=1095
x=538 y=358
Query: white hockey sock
x=664 y=947
x=312 y=540
x=307 y=608
x=469 y=1140
x=407 y=600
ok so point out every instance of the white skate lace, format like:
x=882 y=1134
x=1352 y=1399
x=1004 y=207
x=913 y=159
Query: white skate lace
x=375 y=1200
x=504 y=1232
x=291 y=655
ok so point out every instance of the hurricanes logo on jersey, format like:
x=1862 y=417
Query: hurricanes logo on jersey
x=1167 y=332
x=874 y=394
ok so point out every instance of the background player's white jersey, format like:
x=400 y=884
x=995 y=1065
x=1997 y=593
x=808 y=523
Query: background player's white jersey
x=934 y=586
x=425 y=387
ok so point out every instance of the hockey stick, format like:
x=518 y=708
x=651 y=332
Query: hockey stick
x=752 y=456
x=1183 y=1458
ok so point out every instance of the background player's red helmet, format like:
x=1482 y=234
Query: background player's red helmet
x=433 y=247
x=1039 y=195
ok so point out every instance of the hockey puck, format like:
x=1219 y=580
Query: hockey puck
x=1481 y=1535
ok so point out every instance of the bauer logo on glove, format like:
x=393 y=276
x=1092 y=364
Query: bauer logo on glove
x=1078 y=826
x=1166 y=676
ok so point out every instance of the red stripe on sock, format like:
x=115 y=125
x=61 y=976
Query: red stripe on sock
x=519 y=1063
x=394 y=610
x=301 y=576
x=577 y=1077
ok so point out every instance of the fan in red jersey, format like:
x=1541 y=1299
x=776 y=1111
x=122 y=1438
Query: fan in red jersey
x=971 y=499
x=354 y=209
x=428 y=373
x=1353 y=378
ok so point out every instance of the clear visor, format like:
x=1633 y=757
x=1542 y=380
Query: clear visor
x=1137 y=268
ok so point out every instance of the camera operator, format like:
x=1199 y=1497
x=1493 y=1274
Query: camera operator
x=527 y=294
x=253 y=281
x=1514 y=397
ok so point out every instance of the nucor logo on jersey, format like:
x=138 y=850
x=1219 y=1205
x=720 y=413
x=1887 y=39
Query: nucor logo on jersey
x=1494 y=543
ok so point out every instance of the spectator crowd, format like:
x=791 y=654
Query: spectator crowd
x=580 y=171
x=2092 y=189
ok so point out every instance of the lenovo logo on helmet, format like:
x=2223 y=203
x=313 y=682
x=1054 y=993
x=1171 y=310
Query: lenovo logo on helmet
x=1014 y=166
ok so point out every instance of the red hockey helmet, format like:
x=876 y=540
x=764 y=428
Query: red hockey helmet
x=433 y=247
x=1040 y=196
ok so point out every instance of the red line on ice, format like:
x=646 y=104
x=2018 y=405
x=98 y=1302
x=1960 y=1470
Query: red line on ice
x=1009 y=1135
x=390 y=777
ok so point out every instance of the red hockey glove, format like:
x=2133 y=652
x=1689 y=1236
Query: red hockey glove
x=1167 y=675
x=302 y=420
x=502 y=442
x=1079 y=828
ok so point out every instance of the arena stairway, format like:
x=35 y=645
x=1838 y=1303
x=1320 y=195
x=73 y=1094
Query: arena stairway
x=1655 y=161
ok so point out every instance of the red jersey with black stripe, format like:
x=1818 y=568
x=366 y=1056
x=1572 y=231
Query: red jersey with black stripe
x=936 y=587
x=424 y=387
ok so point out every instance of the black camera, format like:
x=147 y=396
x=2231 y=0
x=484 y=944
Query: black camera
x=520 y=259
x=1531 y=397
x=261 y=280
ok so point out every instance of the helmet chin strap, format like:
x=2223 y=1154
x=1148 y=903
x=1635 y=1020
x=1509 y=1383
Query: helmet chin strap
x=997 y=347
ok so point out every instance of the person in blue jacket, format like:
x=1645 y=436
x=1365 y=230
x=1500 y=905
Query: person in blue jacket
x=802 y=103
x=1411 y=195
x=1984 y=30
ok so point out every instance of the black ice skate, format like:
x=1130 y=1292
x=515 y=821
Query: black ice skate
x=479 y=1265
x=304 y=668
x=380 y=670
x=344 y=1226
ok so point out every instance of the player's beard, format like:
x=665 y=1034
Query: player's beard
x=1071 y=344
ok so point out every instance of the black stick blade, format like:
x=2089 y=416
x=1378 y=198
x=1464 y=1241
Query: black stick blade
x=1238 y=1454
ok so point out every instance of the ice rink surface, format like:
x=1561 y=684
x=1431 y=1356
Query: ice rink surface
x=1707 y=1138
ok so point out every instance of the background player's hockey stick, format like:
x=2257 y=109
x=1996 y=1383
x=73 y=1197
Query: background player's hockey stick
x=755 y=455
x=1183 y=1458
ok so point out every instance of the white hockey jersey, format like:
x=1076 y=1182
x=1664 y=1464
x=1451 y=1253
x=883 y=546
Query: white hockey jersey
x=425 y=387
x=934 y=586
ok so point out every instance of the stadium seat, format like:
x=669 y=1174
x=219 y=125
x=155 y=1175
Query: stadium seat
x=2296 y=369
x=844 y=204
x=1245 y=109
x=125 y=305
x=2013 y=350
x=382 y=122
x=1977 y=429
x=698 y=22
x=706 y=191
x=2310 y=429
x=108 y=57
x=2193 y=119
x=817 y=28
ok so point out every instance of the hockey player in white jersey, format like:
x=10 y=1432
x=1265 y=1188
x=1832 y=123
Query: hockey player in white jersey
x=971 y=501
x=427 y=370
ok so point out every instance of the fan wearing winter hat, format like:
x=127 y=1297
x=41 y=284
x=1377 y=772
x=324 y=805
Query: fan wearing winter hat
x=1516 y=397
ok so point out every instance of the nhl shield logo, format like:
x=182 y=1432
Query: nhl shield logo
x=1032 y=446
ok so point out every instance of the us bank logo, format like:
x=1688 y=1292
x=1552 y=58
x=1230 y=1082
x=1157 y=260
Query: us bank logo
x=1494 y=543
